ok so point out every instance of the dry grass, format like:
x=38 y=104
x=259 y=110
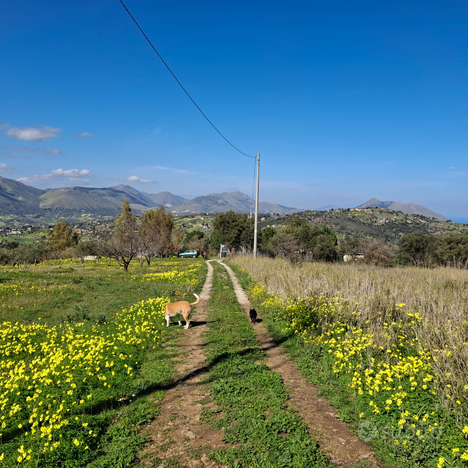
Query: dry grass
x=440 y=296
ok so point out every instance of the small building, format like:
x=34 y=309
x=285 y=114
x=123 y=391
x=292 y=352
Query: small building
x=350 y=258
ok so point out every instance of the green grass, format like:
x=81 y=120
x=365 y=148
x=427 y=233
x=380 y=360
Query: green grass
x=58 y=290
x=251 y=399
x=403 y=449
x=84 y=300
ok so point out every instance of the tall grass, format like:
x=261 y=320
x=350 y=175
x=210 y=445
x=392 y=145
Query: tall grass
x=382 y=296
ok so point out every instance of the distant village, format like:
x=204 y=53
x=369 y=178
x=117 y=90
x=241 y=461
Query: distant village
x=89 y=230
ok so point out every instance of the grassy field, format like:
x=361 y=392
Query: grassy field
x=63 y=290
x=389 y=347
x=82 y=361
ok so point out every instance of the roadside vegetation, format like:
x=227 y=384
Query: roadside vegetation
x=388 y=346
x=82 y=361
x=373 y=236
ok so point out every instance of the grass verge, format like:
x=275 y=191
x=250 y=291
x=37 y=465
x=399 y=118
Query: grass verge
x=257 y=423
x=388 y=399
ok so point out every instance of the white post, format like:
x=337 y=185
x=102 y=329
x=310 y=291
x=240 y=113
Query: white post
x=256 y=208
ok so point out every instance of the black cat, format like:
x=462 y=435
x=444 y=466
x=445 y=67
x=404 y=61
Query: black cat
x=253 y=315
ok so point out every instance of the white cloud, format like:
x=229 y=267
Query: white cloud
x=179 y=171
x=38 y=133
x=84 y=135
x=58 y=175
x=52 y=151
x=18 y=156
x=35 y=150
x=136 y=179
x=25 y=150
x=70 y=172
x=140 y=180
x=4 y=169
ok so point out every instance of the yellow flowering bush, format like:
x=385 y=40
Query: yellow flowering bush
x=52 y=377
x=189 y=275
x=391 y=373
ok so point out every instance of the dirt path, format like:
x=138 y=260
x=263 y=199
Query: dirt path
x=179 y=438
x=342 y=446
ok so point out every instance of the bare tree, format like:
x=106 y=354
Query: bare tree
x=124 y=245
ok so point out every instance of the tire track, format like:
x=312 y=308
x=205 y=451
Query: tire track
x=336 y=440
x=178 y=437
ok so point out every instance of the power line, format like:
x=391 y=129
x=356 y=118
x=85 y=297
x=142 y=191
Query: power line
x=180 y=84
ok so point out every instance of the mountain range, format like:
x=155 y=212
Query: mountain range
x=408 y=208
x=29 y=204
x=23 y=201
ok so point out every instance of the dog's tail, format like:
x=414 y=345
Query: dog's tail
x=196 y=302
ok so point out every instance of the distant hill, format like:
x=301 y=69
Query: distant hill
x=105 y=201
x=327 y=207
x=22 y=203
x=409 y=208
x=383 y=224
x=166 y=199
x=235 y=201
x=16 y=197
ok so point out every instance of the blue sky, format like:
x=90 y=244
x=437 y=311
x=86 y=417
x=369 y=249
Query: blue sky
x=345 y=101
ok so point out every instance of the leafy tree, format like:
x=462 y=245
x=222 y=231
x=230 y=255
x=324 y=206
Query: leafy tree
x=26 y=253
x=191 y=236
x=264 y=238
x=234 y=230
x=124 y=245
x=5 y=255
x=453 y=250
x=324 y=248
x=62 y=236
x=418 y=249
x=156 y=234
x=285 y=245
x=32 y=253
x=317 y=242
x=295 y=225
x=216 y=240
x=85 y=248
x=377 y=253
x=351 y=246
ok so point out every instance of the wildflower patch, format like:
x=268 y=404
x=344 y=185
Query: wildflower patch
x=388 y=373
x=53 y=379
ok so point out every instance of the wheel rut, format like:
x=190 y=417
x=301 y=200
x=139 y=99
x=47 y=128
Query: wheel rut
x=336 y=440
x=178 y=437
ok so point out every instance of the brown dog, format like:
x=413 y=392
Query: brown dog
x=180 y=308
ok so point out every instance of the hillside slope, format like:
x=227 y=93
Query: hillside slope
x=373 y=223
x=408 y=208
x=16 y=197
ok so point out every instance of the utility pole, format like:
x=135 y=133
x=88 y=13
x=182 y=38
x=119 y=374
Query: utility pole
x=256 y=209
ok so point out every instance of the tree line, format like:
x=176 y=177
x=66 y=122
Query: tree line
x=158 y=235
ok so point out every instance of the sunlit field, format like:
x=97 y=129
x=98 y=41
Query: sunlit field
x=397 y=338
x=74 y=340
